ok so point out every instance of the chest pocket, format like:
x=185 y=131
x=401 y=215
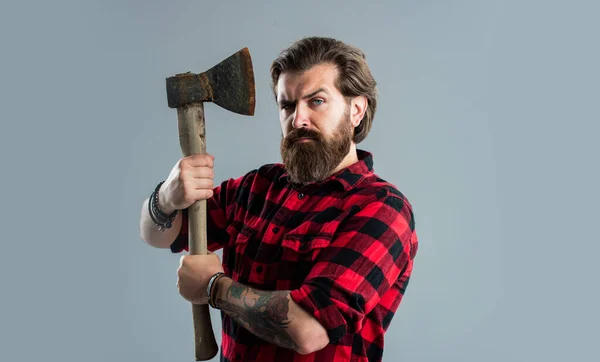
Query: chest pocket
x=306 y=242
x=304 y=247
x=255 y=263
x=299 y=254
x=277 y=265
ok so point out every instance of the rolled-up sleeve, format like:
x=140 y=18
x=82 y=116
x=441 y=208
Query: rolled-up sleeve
x=369 y=252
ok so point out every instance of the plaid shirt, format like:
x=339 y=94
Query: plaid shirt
x=343 y=247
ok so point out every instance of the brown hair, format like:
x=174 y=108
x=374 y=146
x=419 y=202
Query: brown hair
x=354 y=77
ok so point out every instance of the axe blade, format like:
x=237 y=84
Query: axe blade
x=232 y=83
x=229 y=84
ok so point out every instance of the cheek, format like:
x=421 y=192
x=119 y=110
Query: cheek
x=326 y=123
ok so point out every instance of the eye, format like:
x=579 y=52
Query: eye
x=317 y=101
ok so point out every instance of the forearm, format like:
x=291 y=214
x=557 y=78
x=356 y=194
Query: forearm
x=272 y=316
x=149 y=231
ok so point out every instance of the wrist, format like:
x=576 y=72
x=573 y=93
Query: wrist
x=163 y=205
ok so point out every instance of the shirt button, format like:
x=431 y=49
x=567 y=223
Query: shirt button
x=300 y=196
x=259 y=269
x=275 y=230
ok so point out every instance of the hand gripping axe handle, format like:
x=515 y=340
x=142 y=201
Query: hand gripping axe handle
x=229 y=84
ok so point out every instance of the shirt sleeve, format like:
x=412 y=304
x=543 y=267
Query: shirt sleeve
x=219 y=209
x=370 y=251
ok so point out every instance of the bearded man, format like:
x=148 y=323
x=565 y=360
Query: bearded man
x=317 y=250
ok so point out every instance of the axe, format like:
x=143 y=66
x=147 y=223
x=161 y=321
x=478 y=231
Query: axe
x=230 y=84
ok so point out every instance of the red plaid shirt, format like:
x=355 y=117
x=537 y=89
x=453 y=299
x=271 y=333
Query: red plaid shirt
x=343 y=247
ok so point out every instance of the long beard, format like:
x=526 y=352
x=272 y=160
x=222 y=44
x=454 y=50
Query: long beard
x=314 y=160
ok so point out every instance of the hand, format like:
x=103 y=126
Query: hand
x=193 y=275
x=191 y=179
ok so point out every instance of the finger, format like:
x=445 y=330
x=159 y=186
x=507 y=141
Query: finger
x=200 y=159
x=203 y=184
x=199 y=172
x=199 y=194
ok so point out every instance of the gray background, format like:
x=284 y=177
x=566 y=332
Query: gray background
x=488 y=122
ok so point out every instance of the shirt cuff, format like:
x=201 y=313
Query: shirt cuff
x=318 y=304
x=181 y=241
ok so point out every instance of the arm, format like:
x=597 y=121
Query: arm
x=272 y=316
x=366 y=266
x=190 y=179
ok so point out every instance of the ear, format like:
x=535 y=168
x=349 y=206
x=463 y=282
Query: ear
x=358 y=107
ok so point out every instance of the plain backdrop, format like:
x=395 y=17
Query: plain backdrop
x=487 y=122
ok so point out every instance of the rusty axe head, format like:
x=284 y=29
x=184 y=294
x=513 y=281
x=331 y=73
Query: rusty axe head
x=230 y=84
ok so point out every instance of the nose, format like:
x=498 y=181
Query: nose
x=300 y=117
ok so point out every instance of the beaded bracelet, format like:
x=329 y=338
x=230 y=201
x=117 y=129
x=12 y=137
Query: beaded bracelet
x=162 y=220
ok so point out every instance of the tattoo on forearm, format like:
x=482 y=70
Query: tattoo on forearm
x=263 y=313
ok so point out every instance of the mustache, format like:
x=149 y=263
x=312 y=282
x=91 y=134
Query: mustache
x=298 y=133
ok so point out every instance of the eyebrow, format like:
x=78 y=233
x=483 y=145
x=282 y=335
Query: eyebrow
x=315 y=93
x=284 y=102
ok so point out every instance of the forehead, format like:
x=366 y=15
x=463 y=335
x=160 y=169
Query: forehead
x=296 y=84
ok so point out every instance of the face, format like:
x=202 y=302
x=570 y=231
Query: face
x=316 y=121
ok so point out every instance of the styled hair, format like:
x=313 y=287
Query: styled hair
x=354 y=76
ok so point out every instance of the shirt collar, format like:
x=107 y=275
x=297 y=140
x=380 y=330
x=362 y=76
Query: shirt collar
x=347 y=177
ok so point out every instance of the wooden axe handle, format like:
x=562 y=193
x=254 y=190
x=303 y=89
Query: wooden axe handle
x=193 y=141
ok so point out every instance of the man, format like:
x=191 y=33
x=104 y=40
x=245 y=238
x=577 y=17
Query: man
x=318 y=250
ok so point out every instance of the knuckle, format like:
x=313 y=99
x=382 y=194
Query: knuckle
x=207 y=194
x=184 y=163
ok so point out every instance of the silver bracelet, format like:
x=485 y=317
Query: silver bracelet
x=210 y=287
